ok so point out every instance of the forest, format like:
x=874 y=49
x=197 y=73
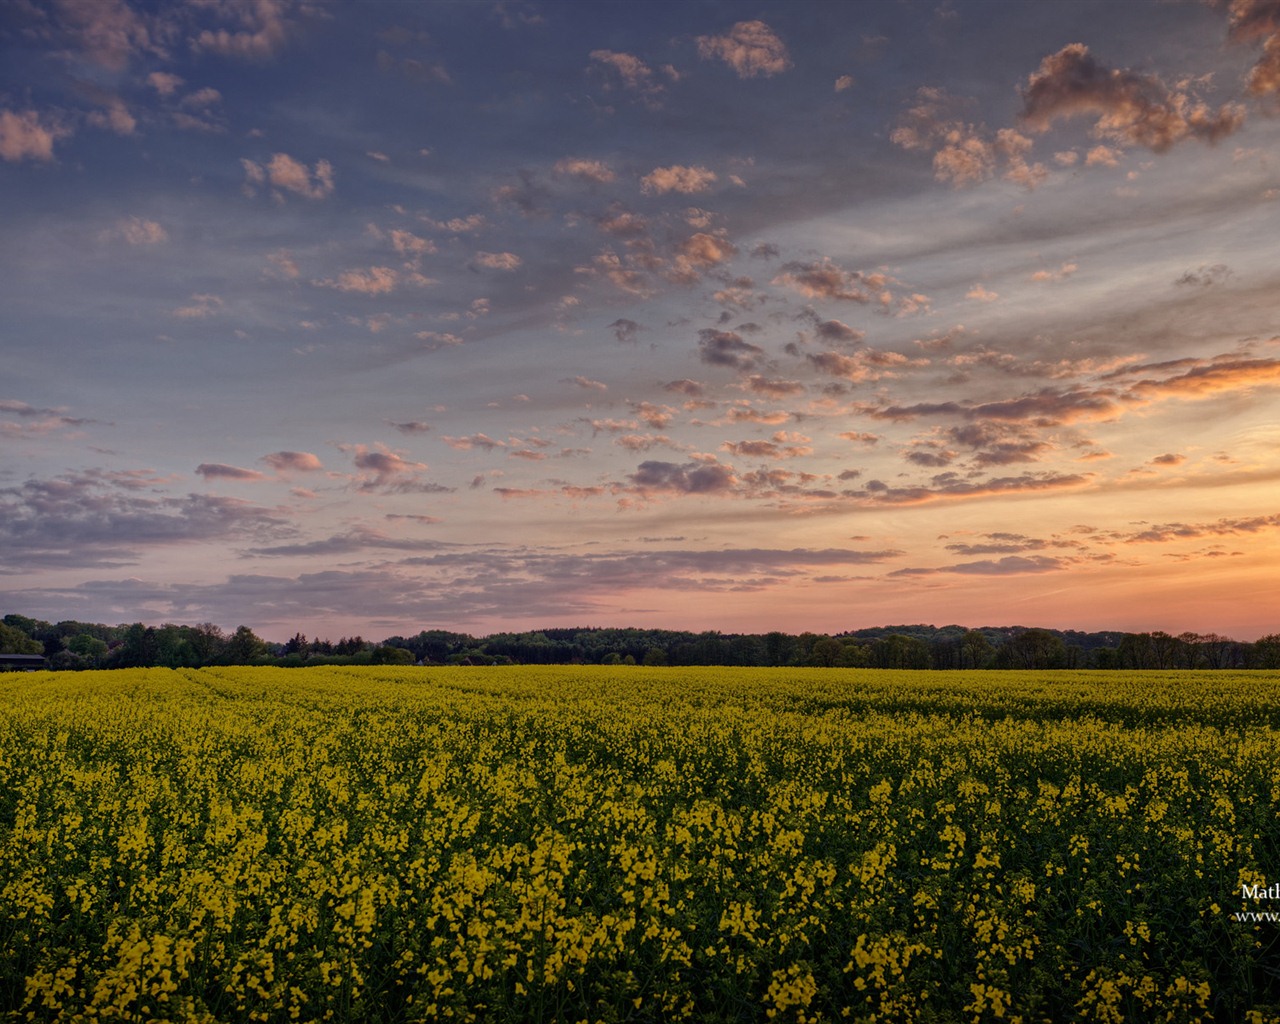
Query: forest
x=71 y=645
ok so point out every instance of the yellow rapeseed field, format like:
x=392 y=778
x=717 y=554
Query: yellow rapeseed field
x=631 y=844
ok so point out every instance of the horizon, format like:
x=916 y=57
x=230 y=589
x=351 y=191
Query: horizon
x=342 y=320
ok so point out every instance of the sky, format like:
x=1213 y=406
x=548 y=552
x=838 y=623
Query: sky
x=379 y=317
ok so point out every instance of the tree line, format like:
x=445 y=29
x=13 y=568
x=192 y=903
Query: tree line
x=83 y=645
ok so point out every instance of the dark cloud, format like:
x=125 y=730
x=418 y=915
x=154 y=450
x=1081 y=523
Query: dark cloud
x=361 y=538
x=774 y=388
x=727 y=348
x=1011 y=565
x=626 y=331
x=89 y=519
x=691 y=388
x=518 y=586
x=1204 y=276
x=411 y=427
x=689 y=478
x=835 y=331
x=219 y=471
x=950 y=487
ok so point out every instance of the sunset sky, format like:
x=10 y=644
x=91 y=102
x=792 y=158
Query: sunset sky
x=381 y=317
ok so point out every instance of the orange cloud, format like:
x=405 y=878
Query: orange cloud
x=1127 y=107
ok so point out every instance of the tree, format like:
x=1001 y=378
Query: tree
x=14 y=641
x=975 y=649
x=900 y=651
x=388 y=655
x=1034 y=649
x=1266 y=652
x=245 y=647
x=89 y=648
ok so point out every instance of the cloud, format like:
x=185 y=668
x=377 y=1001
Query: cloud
x=630 y=72
x=259 y=29
x=220 y=471
x=1127 y=107
x=677 y=178
x=626 y=331
x=116 y=117
x=498 y=260
x=408 y=244
x=382 y=469
x=201 y=306
x=293 y=462
x=685 y=386
x=286 y=174
x=447 y=583
x=164 y=83
x=585 y=382
x=964 y=153
x=620 y=222
x=95 y=518
x=1251 y=21
x=867 y=365
x=751 y=48
x=596 y=171
x=982 y=294
x=689 y=478
x=1000 y=544
x=949 y=486
x=359 y=538
x=38 y=421
x=482 y=441
x=24 y=137
x=370 y=281
x=109 y=33
x=1160 y=533
x=1061 y=274
x=139 y=231
x=1224 y=376
x=1011 y=565
x=643 y=442
x=727 y=348
x=412 y=427
x=837 y=331
x=825 y=280
x=772 y=388
x=1205 y=276
x=783 y=445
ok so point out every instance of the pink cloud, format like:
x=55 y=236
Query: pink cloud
x=677 y=178
x=299 y=462
x=499 y=260
x=290 y=175
x=24 y=137
x=587 y=170
x=751 y=48
x=372 y=281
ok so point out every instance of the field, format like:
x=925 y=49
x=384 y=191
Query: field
x=627 y=844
